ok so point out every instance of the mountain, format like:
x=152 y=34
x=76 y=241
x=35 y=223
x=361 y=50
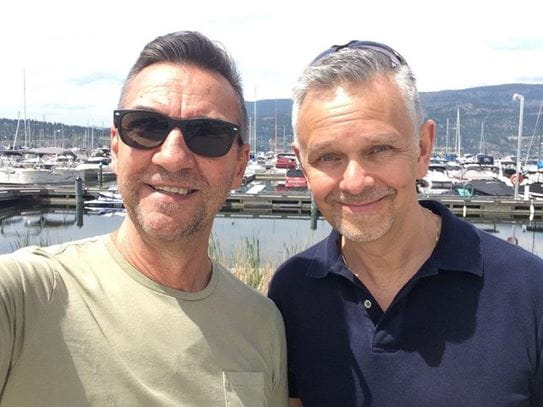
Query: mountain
x=492 y=104
x=495 y=106
x=45 y=134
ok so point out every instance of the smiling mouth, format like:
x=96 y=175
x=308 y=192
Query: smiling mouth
x=173 y=190
x=362 y=203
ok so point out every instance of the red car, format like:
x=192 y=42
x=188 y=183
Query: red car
x=295 y=179
x=286 y=160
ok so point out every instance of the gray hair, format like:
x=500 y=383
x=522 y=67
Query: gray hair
x=356 y=66
x=191 y=48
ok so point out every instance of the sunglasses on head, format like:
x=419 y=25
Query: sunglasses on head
x=394 y=57
x=145 y=129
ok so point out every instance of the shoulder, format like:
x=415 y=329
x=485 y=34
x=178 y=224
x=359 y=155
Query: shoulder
x=498 y=251
x=310 y=259
x=297 y=271
x=510 y=261
x=36 y=270
x=240 y=294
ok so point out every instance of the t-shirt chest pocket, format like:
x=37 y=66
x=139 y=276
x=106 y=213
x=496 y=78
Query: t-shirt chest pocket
x=245 y=389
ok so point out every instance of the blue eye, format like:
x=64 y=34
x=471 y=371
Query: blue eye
x=328 y=157
x=380 y=149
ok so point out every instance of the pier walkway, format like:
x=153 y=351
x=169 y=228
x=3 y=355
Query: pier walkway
x=263 y=203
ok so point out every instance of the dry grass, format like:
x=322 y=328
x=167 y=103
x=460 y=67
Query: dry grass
x=246 y=263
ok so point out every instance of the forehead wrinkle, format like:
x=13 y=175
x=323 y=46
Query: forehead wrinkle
x=183 y=91
x=370 y=139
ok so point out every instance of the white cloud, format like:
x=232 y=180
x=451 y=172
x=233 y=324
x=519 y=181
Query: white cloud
x=76 y=54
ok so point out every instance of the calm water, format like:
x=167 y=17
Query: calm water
x=277 y=237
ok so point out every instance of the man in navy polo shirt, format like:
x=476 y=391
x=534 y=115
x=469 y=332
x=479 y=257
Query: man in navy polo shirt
x=403 y=304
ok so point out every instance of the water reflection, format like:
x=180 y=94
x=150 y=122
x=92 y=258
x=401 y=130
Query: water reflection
x=278 y=235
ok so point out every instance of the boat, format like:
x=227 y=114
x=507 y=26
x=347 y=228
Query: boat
x=93 y=171
x=480 y=172
x=39 y=167
x=39 y=176
x=105 y=199
x=492 y=187
x=436 y=181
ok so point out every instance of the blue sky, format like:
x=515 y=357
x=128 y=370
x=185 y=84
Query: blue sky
x=76 y=54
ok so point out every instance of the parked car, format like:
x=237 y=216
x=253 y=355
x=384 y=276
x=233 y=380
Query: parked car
x=286 y=160
x=295 y=178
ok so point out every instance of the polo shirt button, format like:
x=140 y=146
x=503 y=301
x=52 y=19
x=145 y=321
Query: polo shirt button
x=367 y=304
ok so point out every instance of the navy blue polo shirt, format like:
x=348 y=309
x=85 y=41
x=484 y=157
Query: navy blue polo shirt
x=466 y=330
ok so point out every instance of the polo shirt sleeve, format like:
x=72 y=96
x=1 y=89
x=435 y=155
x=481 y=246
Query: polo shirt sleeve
x=538 y=379
x=274 y=293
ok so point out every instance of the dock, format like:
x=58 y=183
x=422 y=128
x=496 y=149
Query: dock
x=264 y=203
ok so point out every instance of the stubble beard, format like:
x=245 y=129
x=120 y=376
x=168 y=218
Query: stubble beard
x=168 y=229
x=362 y=227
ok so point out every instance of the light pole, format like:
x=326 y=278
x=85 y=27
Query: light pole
x=521 y=98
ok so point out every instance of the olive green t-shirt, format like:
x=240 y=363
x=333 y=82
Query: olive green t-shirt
x=79 y=326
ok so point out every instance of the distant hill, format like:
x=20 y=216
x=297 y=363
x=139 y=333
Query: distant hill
x=493 y=104
x=46 y=134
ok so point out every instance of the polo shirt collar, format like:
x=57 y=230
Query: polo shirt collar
x=458 y=248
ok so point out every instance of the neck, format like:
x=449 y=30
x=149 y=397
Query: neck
x=384 y=266
x=183 y=264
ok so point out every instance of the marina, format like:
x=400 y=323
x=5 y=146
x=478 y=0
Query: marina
x=274 y=205
x=263 y=210
x=264 y=202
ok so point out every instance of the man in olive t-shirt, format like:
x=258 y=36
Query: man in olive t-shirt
x=143 y=316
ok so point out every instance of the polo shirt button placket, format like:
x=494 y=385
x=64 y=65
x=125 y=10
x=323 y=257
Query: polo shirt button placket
x=367 y=304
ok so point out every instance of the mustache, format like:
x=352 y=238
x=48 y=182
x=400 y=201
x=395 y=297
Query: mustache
x=159 y=175
x=372 y=194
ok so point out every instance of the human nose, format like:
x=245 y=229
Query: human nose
x=355 y=178
x=174 y=154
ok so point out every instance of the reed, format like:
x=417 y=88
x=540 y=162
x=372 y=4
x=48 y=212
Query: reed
x=246 y=262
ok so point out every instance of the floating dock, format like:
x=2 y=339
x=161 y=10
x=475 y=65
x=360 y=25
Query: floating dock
x=262 y=203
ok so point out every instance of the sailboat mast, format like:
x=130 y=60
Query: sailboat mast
x=27 y=136
x=447 y=138
x=458 y=137
x=254 y=122
x=275 y=141
x=16 y=130
x=482 y=142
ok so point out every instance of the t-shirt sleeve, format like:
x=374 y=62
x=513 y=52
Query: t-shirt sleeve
x=25 y=290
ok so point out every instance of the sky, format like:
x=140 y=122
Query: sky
x=68 y=59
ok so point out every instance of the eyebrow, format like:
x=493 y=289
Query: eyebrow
x=372 y=139
x=147 y=108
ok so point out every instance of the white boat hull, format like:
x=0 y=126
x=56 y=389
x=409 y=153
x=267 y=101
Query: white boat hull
x=39 y=176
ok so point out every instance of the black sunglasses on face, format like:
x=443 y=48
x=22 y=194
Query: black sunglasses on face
x=394 y=57
x=145 y=129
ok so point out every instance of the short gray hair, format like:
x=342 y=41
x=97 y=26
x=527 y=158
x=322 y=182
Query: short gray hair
x=191 y=48
x=356 y=66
